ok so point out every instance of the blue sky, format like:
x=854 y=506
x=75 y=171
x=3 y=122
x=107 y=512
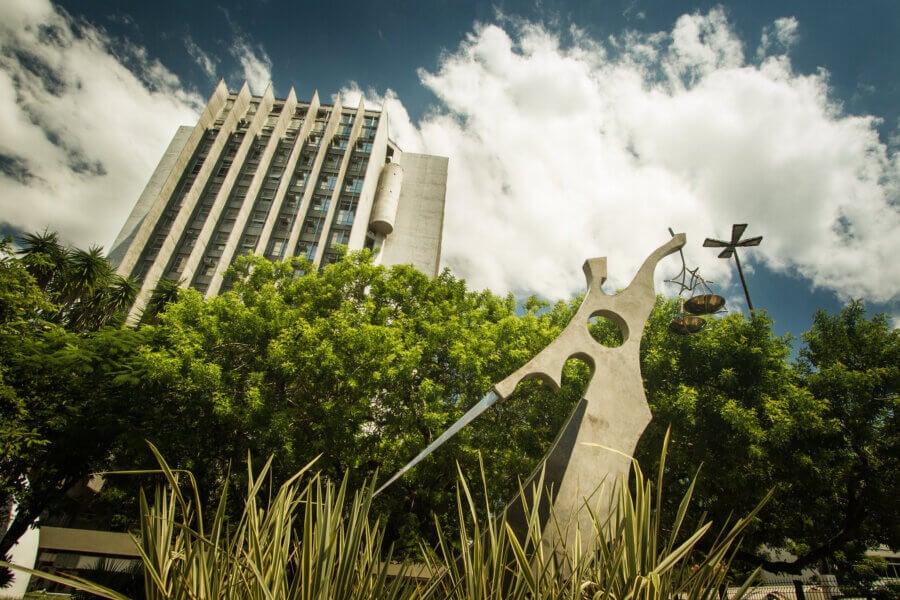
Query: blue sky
x=574 y=129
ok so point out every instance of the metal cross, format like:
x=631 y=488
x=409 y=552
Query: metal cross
x=731 y=247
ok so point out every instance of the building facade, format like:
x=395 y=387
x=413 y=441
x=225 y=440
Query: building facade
x=280 y=178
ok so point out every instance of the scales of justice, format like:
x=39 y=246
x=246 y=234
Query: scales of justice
x=594 y=449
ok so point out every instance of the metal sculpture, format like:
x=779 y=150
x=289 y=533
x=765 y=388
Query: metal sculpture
x=731 y=246
x=690 y=319
x=597 y=443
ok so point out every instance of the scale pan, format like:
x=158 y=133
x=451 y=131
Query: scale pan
x=686 y=325
x=704 y=304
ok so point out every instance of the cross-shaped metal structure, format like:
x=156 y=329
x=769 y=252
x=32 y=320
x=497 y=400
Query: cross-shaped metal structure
x=737 y=230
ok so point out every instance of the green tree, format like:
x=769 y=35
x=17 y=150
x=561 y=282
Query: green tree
x=754 y=421
x=852 y=363
x=358 y=364
x=59 y=401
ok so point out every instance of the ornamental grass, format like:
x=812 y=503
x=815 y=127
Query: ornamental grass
x=314 y=539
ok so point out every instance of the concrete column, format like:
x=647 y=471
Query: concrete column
x=370 y=181
x=212 y=220
x=314 y=172
x=158 y=269
x=250 y=200
x=158 y=196
x=387 y=199
x=289 y=169
x=333 y=122
x=152 y=194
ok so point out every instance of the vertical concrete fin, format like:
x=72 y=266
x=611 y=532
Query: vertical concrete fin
x=243 y=225
x=269 y=93
x=224 y=194
x=162 y=195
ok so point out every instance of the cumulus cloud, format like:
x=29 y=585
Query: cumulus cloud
x=560 y=151
x=84 y=119
x=780 y=36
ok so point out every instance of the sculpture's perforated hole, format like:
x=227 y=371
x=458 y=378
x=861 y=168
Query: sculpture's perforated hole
x=608 y=328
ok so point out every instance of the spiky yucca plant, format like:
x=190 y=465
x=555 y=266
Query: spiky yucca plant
x=313 y=540
x=637 y=557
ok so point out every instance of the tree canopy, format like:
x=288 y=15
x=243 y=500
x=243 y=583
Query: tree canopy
x=362 y=366
x=60 y=394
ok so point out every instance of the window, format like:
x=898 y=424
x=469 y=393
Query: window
x=313 y=225
x=365 y=147
x=327 y=182
x=320 y=203
x=248 y=243
x=276 y=248
x=331 y=257
x=354 y=186
x=307 y=250
x=332 y=162
x=358 y=166
x=341 y=236
x=346 y=211
x=259 y=219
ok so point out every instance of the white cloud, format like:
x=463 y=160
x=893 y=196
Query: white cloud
x=207 y=63
x=81 y=130
x=255 y=63
x=561 y=152
x=780 y=36
x=558 y=152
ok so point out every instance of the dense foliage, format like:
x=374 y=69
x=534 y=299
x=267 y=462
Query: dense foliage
x=312 y=539
x=822 y=432
x=60 y=394
x=362 y=366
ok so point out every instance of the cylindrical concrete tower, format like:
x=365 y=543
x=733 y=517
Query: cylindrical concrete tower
x=387 y=199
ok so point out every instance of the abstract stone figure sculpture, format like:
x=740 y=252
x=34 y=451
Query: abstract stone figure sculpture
x=595 y=448
x=597 y=443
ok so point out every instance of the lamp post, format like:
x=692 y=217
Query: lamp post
x=731 y=247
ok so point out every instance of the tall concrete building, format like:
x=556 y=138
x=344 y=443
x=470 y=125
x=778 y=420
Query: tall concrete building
x=280 y=178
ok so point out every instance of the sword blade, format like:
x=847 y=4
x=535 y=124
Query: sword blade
x=486 y=402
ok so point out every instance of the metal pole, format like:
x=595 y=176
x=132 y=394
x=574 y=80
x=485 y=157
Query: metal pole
x=743 y=281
